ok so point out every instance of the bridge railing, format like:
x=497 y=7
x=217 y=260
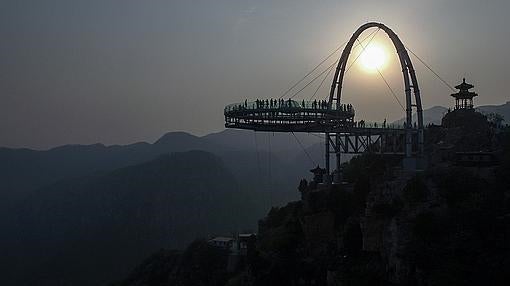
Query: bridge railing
x=272 y=105
x=293 y=112
x=380 y=125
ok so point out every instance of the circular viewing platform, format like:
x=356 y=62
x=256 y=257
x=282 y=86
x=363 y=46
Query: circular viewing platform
x=304 y=116
x=287 y=115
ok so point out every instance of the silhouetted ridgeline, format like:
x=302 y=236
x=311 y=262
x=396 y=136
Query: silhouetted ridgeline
x=23 y=170
x=435 y=114
x=85 y=214
x=76 y=229
x=447 y=225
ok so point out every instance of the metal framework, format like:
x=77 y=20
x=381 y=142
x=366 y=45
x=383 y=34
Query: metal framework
x=335 y=119
x=289 y=116
x=410 y=86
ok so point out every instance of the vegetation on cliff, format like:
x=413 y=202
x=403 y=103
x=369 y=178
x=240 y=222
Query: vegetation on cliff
x=445 y=225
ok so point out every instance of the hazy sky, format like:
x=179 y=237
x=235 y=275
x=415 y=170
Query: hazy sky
x=118 y=72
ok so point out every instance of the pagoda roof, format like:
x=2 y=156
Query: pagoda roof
x=318 y=170
x=464 y=94
x=464 y=85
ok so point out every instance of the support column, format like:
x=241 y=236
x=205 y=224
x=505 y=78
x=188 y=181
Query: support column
x=338 y=176
x=409 y=124
x=328 y=171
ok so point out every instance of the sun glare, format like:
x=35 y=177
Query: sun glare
x=373 y=57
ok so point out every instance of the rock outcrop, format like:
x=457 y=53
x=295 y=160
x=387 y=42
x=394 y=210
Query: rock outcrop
x=445 y=225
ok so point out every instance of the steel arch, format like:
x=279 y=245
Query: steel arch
x=409 y=77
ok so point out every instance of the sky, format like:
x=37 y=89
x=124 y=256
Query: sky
x=119 y=72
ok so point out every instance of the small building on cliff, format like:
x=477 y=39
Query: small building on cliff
x=464 y=97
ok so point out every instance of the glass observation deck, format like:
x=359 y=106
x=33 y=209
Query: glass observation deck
x=282 y=114
x=284 y=104
x=297 y=116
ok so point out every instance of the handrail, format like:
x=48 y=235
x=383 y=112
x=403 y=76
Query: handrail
x=286 y=104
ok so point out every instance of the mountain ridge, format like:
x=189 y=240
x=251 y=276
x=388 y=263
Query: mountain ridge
x=129 y=212
x=433 y=115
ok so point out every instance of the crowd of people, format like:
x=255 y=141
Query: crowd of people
x=282 y=103
x=322 y=104
x=316 y=104
x=271 y=103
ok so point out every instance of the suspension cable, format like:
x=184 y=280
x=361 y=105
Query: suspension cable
x=315 y=78
x=316 y=135
x=391 y=90
x=270 y=177
x=386 y=82
x=322 y=82
x=302 y=147
x=314 y=69
x=360 y=43
x=257 y=153
x=430 y=69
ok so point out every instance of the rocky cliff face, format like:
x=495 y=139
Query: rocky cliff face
x=446 y=225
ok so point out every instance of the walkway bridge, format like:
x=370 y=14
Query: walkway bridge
x=287 y=116
x=354 y=137
x=343 y=134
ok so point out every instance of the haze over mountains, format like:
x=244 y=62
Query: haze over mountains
x=86 y=214
x=435 y=114
x=23 y=170
x=89 y=230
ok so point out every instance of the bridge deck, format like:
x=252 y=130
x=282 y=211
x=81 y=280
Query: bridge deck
x=353 y=137
x=315 y=127
x=292 y=116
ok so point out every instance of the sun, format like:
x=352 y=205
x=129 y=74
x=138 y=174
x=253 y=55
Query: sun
x=373 y=58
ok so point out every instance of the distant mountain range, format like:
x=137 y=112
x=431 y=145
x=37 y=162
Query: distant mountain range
x=84 y=214
x=434 y=114
x=92 y=229
x=24 y=170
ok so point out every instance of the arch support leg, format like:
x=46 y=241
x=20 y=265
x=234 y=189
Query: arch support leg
x=327 y=179
x=337 y=179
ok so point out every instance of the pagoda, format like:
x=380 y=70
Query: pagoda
x=318 y=174
x=464 y=98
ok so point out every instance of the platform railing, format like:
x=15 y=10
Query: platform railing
x=285 y=104
x=292 y=112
